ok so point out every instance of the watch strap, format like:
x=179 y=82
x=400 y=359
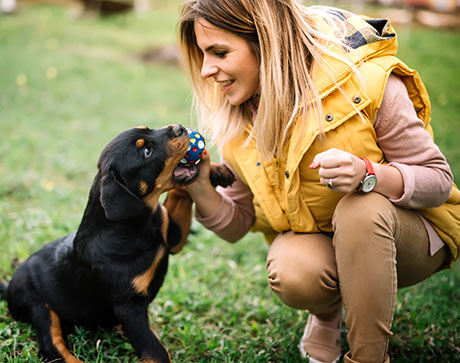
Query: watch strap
x=369 y=167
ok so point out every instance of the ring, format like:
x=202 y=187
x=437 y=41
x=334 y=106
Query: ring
x=330 y=185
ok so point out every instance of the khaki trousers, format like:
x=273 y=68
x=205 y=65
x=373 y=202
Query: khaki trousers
x=375 y=249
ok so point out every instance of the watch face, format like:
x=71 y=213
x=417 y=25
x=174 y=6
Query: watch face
x=369 y=183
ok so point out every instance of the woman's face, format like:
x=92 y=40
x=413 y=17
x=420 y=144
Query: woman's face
x=228 y=59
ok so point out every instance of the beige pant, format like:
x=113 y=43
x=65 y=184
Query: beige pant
x=376 y=248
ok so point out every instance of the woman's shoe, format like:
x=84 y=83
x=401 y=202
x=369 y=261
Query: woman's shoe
x=321 y=342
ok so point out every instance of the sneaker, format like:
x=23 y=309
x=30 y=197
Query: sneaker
x=321 y=342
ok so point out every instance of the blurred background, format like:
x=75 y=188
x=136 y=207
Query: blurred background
x=73 y=74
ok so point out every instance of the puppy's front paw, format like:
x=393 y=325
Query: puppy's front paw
x=221 y=175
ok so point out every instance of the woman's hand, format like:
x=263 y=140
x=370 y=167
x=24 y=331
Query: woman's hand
x=207 y=199
x=345 y=171
x=202 y=182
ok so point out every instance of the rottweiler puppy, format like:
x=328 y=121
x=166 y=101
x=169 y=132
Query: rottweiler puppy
x=108 y=271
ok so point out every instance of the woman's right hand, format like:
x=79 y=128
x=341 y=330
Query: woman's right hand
x=202 y=182
x=205 y=196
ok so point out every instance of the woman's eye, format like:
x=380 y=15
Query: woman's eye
x=147 y=152
x=220 y=53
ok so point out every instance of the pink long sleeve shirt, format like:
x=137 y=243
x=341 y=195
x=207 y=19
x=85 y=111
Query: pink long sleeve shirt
x=406 y=144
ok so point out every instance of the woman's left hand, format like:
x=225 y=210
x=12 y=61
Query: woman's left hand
x=340 y=169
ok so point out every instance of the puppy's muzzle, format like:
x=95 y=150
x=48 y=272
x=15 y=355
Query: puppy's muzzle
x=176 y=131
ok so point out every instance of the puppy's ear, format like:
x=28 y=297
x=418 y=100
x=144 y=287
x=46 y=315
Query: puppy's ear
x=117 y=200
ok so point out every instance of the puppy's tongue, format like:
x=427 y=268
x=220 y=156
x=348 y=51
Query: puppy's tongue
x=182 y=172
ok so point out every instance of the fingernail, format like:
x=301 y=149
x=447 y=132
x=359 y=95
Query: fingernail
x=205 y=152
x=313 y=165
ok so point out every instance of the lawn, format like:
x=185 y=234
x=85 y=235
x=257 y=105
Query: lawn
x=68 y=85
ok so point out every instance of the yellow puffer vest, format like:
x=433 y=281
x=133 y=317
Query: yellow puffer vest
x=287 y=194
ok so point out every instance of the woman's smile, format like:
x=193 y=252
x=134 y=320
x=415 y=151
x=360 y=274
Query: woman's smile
x=226 y=84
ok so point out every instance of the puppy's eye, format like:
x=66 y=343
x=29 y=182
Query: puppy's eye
x=147 y=152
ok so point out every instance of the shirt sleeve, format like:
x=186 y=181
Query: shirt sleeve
x=235 y=215
x=409 y=148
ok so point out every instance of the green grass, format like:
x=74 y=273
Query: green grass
x=67 y=86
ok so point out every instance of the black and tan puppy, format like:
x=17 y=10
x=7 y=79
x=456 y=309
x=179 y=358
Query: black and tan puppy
x=109 y=270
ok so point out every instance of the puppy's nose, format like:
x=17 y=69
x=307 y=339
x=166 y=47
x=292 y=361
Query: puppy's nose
x=178 y=130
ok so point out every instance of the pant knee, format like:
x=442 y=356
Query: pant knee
x=302 y=276
x=293 y=285
x=359 y=214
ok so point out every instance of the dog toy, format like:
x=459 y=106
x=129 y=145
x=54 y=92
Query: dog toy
x=195 y=150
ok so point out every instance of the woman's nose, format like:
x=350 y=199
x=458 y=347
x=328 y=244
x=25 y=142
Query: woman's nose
x=208 y=69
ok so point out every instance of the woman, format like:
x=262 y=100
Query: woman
x=329 y=135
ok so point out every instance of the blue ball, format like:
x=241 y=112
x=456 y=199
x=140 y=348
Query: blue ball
x=195 y=150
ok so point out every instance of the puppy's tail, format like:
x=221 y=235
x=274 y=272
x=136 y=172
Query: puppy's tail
x=3 y=288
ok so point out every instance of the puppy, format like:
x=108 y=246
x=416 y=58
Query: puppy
x=108 y=271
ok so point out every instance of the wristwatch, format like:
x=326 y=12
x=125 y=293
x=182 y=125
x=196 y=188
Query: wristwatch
x=370 y=180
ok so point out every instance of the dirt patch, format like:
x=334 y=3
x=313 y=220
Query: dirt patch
x=163 y=55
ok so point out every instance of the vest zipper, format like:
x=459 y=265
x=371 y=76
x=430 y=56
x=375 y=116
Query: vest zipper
x=336 y=86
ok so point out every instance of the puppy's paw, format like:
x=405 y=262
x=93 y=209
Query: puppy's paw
x=221 y=175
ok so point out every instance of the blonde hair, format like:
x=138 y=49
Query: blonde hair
x=286 y=38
